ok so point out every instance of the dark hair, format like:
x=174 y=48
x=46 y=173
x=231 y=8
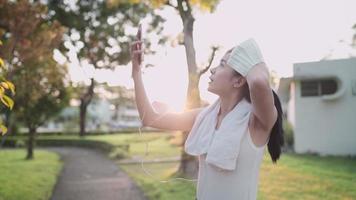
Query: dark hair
x=276 y=138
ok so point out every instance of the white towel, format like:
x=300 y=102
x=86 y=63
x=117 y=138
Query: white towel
x=221 y=146
x=244 y=56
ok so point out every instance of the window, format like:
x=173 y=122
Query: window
x=318 y=87
x=310 y=88
x=328 y=87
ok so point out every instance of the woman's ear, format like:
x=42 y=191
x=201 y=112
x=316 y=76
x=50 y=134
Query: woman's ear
x=239 y=81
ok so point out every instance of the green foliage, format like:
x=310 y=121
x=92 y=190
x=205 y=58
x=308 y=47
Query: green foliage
x=41 y=91
x=288 y=133
x=62 y=142
x=99 y=32
x=5 y=86
x=102 y=38
x=20 y=143
x=202 y=5
x=119 y=153
x=29 y=40
x=206 y=5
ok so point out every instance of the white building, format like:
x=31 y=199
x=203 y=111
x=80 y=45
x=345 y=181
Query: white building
x=320 y=102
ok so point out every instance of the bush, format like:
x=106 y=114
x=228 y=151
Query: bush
x=114 y=151
x=288 y=133
x=21 y=141
x=120 y=152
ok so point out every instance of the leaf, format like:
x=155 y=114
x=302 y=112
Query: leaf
x=3 y=129
x=11 y=86
x=2 y=64
x=0 y=43
x=10 y=101
x=3 y=101
x=4 y=85
x=7 y=101
x=2 y=91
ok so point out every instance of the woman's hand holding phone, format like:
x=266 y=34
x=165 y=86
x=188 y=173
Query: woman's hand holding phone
x=137 y=52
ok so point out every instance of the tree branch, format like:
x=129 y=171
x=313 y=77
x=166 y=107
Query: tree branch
x=181 y=10
x=169 y=4
x=188 y=6
x=86 y=98
x=214 y=48
x=4 y=25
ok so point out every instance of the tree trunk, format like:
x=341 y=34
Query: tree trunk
x=30 y=143
x=82 y=116
x=189 y=165
x=84 y=102
x=10 y=123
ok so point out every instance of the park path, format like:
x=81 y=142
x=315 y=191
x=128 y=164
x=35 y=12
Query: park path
x=89 y=175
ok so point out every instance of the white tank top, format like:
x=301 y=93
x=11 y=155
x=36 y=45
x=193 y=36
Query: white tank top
x=240 y=184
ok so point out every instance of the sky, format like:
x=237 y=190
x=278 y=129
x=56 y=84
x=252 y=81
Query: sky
x=287 y=32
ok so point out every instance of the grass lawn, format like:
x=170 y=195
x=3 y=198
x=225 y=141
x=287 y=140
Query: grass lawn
x=153 y=188
x=31 y=180
x=308 y=177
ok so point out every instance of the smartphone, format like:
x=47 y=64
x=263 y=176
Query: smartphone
x=139 y=32
x=139 y=37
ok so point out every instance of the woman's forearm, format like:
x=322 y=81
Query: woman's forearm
x=258 y=72
x=146 y=111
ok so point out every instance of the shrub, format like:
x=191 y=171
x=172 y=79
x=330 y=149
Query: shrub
x=288 y=133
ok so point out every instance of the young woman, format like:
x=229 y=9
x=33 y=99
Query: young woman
x=241 y=81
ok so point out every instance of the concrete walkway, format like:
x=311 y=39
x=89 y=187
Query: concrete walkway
x=90 y=175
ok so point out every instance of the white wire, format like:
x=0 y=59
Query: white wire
x=146 y=153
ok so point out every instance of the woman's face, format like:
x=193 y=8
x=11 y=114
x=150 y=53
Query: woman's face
x=223 y=79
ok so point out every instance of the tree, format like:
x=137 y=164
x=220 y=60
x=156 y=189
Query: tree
x=273 y=79
x=118 y=96
x=29 y=40
x=42 y=95
x=98 y=30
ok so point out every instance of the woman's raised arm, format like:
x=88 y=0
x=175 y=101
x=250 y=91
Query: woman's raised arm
x=262 y=96
x=169 y=121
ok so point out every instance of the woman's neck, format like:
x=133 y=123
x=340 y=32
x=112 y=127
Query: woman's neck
x=228 y=103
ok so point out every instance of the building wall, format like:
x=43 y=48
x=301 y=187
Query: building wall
x=326 y=126
x=291 y=105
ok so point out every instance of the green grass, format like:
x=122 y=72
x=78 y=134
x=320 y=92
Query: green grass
x=28 y=179
x=152 y=185
x=308 y=177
